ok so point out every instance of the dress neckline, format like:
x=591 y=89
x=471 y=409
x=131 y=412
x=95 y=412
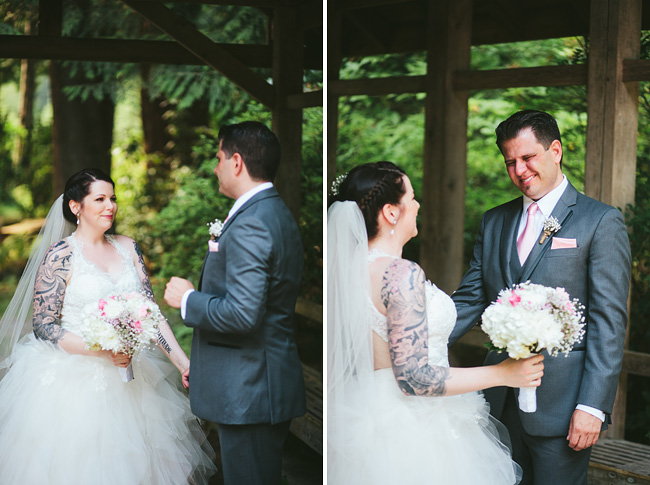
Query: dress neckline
x=375 y=253
x=79 y=245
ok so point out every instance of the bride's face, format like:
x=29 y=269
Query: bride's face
x=99 y=207
x=410 y=207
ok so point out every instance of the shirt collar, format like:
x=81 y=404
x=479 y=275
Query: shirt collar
x=247 y=196
x=547 y=203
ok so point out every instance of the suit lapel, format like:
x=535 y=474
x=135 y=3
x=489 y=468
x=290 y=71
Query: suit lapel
x=562 y=212
x=508 y=236
x=264 y=194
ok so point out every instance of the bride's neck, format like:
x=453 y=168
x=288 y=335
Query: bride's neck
x=89 y=237
x=386 y=245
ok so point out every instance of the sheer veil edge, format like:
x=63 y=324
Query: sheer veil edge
x=349 y=341
x=16 y=322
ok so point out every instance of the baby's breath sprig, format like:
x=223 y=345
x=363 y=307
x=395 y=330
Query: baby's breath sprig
x=336 y=184
x=551 y=226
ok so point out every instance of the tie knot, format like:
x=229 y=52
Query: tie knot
x=532 y=209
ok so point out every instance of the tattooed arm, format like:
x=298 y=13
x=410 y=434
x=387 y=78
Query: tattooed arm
x=403 y=294
x=49 y=291
x=166 y=339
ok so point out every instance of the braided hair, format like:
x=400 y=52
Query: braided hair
x=371 y=186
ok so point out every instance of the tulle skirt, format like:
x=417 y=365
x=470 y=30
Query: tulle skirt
x=387 y=437
x=71 y=420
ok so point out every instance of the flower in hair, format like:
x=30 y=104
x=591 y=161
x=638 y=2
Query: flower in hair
x=336 y=184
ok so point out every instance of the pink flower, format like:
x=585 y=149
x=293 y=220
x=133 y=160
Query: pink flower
x=514 y=299
x=499 y=301
x=143 y=311
x=138 y=326
x=102 y=304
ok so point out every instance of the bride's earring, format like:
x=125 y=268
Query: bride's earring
x=77 y=218
x=392 y=231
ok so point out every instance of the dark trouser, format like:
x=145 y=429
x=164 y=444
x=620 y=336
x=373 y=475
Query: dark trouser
x=252 y=453
x=544 y=460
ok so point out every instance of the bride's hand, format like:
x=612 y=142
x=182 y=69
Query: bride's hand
x=186 y=377
x=524 y=372
x=119 y=359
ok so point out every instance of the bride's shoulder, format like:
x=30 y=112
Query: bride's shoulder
x=127 y=243
x=404 y=269
x=58 y=253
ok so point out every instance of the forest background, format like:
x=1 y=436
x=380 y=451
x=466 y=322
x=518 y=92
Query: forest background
x=162 y=160
x=373 y=128
x=155 y=128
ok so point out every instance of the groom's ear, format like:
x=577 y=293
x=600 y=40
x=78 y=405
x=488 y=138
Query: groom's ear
x=238 y=163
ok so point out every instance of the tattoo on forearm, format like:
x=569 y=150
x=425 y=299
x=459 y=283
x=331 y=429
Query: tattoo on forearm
x=163 y=343
x=146 y=284
x=403 y=294
x=49 y=292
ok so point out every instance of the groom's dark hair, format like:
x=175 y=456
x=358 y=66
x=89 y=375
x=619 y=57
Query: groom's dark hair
x=542 y=124
x=258 y=146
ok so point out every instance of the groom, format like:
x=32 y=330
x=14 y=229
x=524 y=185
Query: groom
x=245 y=371
x=589 y=256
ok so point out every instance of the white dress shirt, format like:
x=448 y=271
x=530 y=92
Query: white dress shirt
x=546 y=205
x=236 y=206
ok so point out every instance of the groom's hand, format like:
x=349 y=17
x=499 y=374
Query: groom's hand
x=175 y=289
x=584 y=430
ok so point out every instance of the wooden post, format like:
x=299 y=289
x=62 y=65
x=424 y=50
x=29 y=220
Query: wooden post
x=449 y=35
x=610 y=167
x=287 y=122
x=333 y=68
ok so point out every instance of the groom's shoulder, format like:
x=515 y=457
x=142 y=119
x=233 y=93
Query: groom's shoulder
x=509 y=206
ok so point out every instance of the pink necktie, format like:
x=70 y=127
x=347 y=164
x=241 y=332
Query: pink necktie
x=526 y=241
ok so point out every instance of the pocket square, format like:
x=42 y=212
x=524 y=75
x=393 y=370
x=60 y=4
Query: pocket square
x=213 y=246
x=563 y=243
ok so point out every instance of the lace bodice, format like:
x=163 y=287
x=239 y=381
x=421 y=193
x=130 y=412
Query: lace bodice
x=88 y=283
x=441 y=317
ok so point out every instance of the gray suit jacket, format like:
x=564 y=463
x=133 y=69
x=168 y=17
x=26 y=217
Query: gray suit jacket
x=244 y=364
x=597 y=272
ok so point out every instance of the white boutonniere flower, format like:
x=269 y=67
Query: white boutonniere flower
x=216 y=228
x=551 y=226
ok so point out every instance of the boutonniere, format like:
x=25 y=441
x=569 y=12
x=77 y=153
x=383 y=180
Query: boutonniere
x=216 y=228
x=551 y=226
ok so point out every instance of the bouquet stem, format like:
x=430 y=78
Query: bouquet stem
x=528 y=399
x=126 y=372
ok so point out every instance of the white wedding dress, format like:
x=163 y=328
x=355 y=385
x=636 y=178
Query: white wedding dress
x=71 y=420
x=400 y=439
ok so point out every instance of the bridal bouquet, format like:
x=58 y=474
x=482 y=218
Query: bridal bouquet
x=529 y=318
x=125 y=323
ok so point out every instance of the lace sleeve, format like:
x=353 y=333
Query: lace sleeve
x=49 y=291
x=404 y=294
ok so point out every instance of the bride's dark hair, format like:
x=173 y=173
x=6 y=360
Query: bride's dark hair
x=78 y=186
x=371 y=186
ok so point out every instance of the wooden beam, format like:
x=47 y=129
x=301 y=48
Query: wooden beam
x=444 y=166
x=521 y=77
x=237 y=3
x=636 y=70
x=127 y=50
x=378 y=86
x=121 y=50
x=310 y=99
x=202 y=47
x=343 y=5
x=50 y=17
x=612 y=114
x=287 y=122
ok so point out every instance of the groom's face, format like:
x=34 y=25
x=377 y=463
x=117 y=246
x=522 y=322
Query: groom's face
x=534 y=170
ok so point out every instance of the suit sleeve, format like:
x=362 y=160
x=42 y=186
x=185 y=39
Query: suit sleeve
x=606 y=312
x=470 y=298
x=247 y=281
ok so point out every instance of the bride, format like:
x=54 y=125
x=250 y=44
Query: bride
x=66 y=414
x=397 y=413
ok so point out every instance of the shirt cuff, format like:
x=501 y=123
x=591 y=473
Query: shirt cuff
x=186 y=295
x=593 y=411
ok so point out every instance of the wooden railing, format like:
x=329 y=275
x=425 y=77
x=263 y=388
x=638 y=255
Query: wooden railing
x=309 y=428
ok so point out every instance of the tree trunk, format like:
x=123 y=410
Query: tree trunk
x=82 y=131
x=22 y=151
x=154 y=127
